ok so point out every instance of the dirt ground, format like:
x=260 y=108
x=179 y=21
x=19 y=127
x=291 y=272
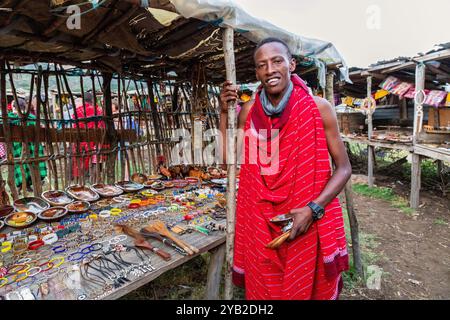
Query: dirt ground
x=413 y=250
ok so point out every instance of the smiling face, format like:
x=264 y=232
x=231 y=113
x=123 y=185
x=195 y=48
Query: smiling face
x=273 y=69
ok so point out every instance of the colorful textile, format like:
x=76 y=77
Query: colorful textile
x=402 y=88
x=435 y=97
x=17 y=153
x=2 y=151
x=310 y=266
x=389 y=83
x=86 y=146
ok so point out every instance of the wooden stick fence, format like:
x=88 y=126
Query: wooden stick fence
x=108 y=143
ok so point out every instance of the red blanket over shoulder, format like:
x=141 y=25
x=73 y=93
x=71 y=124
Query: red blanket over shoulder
x=308 y=267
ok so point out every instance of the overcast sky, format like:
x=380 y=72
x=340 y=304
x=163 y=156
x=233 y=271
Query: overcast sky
x=363 y=31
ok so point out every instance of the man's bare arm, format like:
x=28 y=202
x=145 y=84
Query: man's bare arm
x=303 y=216
x=338 y=152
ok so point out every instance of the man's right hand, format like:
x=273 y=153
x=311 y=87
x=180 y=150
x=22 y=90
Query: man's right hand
x=229 y=93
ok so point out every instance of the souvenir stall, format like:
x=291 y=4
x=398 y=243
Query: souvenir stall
x=407 y=111
x=97 y=203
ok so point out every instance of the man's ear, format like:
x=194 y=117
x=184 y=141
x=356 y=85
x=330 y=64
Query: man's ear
x=292 y=65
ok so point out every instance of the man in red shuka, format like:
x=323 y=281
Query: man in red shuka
x=310 y=263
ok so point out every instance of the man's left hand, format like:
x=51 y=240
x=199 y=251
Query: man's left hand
x=303 y=218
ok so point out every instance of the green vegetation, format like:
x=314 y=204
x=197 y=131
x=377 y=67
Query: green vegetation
x=441 y=222
x=187 y=281
x=384 y=193
x=368 y=244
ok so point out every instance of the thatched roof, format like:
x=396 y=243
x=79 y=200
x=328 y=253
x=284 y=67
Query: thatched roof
x=121 y=36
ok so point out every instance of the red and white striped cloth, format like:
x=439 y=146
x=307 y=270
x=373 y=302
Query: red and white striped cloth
x=2 y=150
x=310 y=266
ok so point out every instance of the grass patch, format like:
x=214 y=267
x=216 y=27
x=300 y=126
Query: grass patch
x=187 y=281
x=384 y=193
x=368 y=244
x=441 y=222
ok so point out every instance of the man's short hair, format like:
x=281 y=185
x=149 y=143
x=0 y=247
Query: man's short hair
x=271 y=40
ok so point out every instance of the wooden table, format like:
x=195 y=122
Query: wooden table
x=214 y=242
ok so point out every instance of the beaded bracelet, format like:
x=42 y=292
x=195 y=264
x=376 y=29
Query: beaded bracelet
x=12 y=269
x=73 y=256
x=48 y=264
x=34 y=271
x=3 y=282
x=61 y=261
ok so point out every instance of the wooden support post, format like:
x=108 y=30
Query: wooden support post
x=418 y=118
x=370 y=151
x=228 y=48
x=415 y=181
x=403 y=110
x=354 y=229
x=215 y=273
x=329 y=89
x=111 y=133
x=155 y=119
x=418 y=100
x=7 y=132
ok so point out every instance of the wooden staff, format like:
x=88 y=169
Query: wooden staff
x=35 y=174
x=97 y=145
x=52 y=163
x=144 y=112
x=25 y=153
x=87 y=133
x=123 y=150
x=77 y=121
x=7 y=132
x=132 y=146
x=228 y=48
x=127 y=110
x=104 y=134
x=67 y=176
x=147 y=129
x=161 y=124
x=157 y=133
x=186 y=107
x=139 y=149
x=110 y=130
x=354 y=229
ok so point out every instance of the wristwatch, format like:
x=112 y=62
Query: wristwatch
x=317 y=210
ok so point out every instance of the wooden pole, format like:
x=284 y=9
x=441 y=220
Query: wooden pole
x=415 y=180
x=418 y=100
x=354 y=228
x=228 y=48
x=214 y=273
x=154 y=113
x=110 y=130
x=7 y=132
x=418 y=116
x=370 y=151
